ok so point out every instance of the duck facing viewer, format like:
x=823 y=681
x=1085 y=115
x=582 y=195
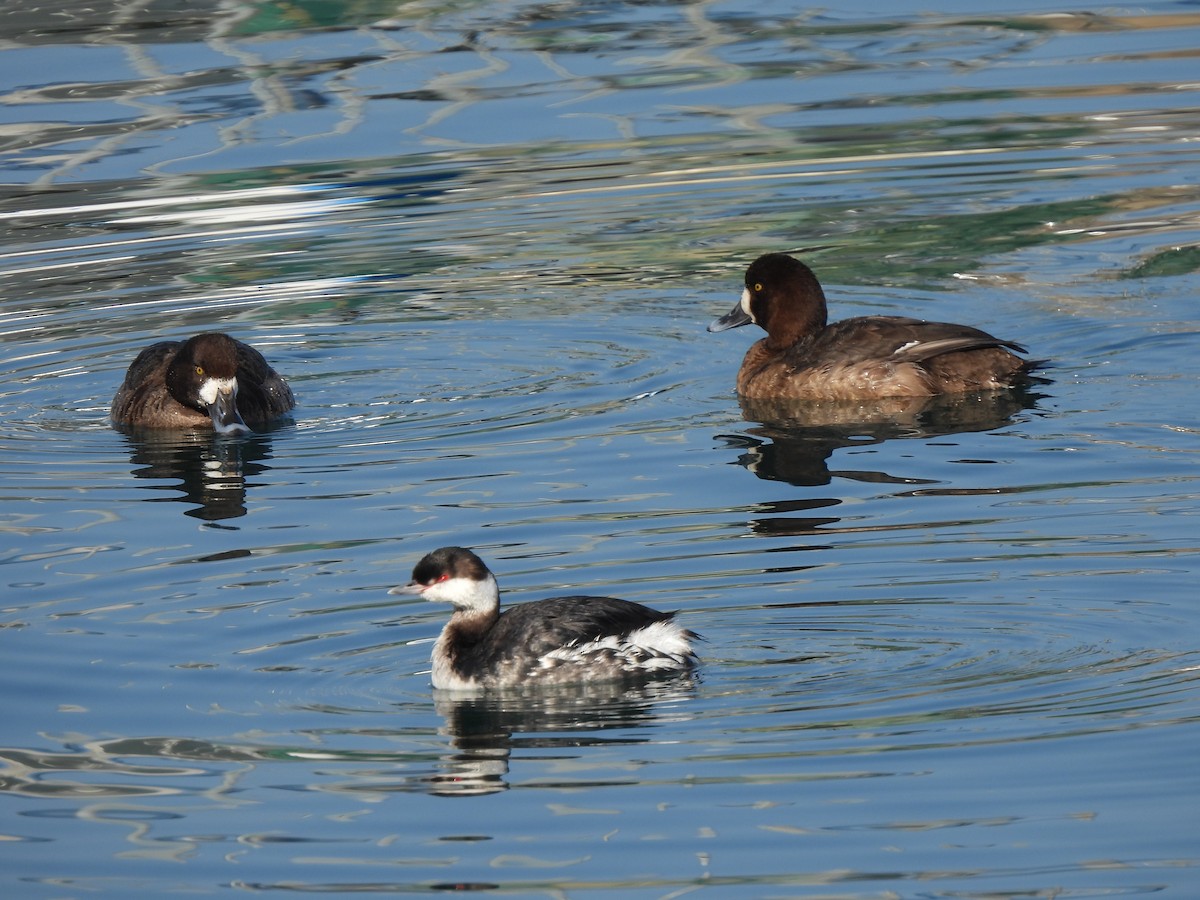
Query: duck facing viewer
x=805 y=358
x=559 y=640
x=208 y=381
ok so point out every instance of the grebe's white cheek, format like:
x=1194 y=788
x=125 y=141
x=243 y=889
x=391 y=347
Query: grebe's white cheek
x=746 y=305
x=464 y=593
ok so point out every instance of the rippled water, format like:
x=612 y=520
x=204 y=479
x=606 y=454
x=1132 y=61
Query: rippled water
x=951 y=651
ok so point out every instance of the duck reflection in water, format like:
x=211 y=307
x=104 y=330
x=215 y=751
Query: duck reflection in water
x=190 y=467
x=793 y=440
x=178 y=395
x=485 y=728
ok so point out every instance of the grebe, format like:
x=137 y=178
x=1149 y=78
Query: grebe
x=555 y=641
x=208 y=381
x=803 y=358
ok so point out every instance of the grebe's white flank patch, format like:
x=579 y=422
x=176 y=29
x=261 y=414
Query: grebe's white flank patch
x=660 y=645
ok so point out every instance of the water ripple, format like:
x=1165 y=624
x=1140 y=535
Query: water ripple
x=946 y=645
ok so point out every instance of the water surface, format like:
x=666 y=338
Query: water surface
x=950 y=649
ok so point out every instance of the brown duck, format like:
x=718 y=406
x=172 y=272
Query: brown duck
x=803 y=357
x=208 y=381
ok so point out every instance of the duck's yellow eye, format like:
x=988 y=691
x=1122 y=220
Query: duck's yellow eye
x=757 y=286
x=199 y=370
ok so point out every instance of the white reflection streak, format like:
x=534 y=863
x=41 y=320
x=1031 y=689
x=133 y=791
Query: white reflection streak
x=201 y=236
x=248 y=213
x=67 y=265
x=254 y=294
x=214 y=197
x=680 y=177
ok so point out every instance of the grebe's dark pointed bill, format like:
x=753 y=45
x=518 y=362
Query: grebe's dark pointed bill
x=224 y=412
x=411 y=588
x=735 y=318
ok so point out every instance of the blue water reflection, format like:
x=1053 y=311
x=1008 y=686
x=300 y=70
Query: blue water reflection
x=950 y=645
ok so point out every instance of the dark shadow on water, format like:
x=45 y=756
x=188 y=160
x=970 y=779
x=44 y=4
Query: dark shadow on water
x=484 y=729
x=212 y=472
x=792 y=441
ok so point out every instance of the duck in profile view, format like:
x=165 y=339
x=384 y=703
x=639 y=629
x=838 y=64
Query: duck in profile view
x=805 y=358
x=208 y=381
x=560 y=640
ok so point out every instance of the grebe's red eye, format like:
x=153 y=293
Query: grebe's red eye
x=445 y=576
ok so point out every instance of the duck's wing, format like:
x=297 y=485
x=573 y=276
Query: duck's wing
x=898 y=339
x=145 y=380
x=154 y=358
x=262 y=392
x=927 y=349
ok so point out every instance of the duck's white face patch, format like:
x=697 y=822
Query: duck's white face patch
x=211 y=388
x=746 y=305
x=904 y=347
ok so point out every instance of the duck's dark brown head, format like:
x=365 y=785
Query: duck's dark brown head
x=203 y=375
x=783 y=297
